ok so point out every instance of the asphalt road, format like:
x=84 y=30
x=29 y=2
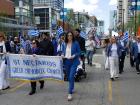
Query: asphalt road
x=96 y=89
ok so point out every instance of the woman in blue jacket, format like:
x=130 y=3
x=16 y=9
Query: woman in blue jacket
x=136 y=53
x=71 y=52
x=114 y=51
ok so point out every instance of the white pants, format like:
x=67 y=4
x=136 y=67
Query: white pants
x=114 y=65
x=3 y=76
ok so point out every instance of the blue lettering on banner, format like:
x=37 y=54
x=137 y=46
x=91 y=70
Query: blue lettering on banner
x=38 y=63
x=34 y=69
x=16 y=62
x=17 y=70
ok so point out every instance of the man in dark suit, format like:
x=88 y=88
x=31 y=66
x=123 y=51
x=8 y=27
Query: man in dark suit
x=81 y=42
x=46 y=45
x=136 y=53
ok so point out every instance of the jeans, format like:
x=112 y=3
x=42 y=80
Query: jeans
x=70 y=70
x=137 y=63
x=89 y=56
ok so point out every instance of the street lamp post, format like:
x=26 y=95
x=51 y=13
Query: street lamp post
x=123 y=21
x=136 y=17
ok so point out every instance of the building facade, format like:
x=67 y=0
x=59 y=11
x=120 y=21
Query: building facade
x=7 y=8
x=113 y=20
x=55 y=4
x=100 y=27
x=18 y=16
x=24 y=12
x=119 y=11
x=46 y=13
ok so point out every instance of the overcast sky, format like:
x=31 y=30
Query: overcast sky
x=99 y=8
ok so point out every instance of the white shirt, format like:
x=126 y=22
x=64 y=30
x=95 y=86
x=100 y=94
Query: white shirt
x=90 y=44
x=2 y=50
x=114 y=51
x=2 y=47
x=138 y=47
x=122 y=43
x=68 y=52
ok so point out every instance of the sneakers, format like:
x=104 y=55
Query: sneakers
x=112 y=79
x=69 y=97
x=8 y=87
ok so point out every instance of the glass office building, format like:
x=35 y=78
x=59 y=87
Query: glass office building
x=56 y=4
x=45 y=12
x=24 y=11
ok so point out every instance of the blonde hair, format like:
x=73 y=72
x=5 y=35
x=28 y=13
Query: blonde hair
x=3 y=35
x=112 y=38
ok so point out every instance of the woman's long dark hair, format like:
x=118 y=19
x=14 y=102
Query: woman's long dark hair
x=66 y=38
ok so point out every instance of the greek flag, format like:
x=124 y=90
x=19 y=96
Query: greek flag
x=22 y=42
x=59 y=31
x=83 y=34
x=97 y=40
x=126 y=36
x=33 y=32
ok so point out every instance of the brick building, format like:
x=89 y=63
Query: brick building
x=7 y=7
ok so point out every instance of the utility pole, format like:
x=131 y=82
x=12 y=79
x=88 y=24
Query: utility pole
x=136 y=17
x=63 y=17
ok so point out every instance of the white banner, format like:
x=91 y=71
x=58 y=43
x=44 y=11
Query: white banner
x=29 y=67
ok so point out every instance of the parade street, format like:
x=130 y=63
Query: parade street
x=96 y=89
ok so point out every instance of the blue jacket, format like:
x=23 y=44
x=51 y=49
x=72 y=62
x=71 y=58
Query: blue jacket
x=135 y=50
x=75 y=50
x=119 y=50
x=125 y=48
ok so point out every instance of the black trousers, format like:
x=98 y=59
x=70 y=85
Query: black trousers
x=121 y=62
x=137 y=63
x=33 y=84
x=132 y=61
x=83 y=61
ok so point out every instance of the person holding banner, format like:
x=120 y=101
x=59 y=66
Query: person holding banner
x=35 y=50
x=71 y=53
x=4 y=84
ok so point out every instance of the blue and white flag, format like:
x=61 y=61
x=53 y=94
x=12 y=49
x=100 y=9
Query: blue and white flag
x=83 y=34
x=126 y=36
x=59 y=31
x=33 y=32
x=21 y=38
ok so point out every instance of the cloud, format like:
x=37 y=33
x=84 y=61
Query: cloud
x=79 y=5
x=113 y=2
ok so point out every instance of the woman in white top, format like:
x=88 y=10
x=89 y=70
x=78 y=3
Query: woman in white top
x=113 y=52
x=4 y=84
x=71 y=53
x=90 y=46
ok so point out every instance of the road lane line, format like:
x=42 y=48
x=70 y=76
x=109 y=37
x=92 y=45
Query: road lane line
x=120 y=100
x=110 y=91
x=18 y=86
x=15 y=84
